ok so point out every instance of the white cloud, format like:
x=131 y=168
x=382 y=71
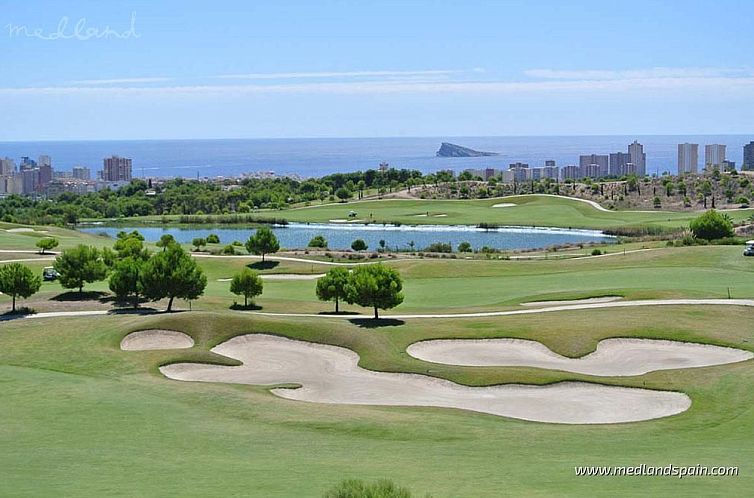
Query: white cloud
x=416 y=82
x=631 y=74
x=121 y=81
x=341 y=74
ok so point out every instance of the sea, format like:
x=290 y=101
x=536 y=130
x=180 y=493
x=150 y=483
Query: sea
x=313 y=157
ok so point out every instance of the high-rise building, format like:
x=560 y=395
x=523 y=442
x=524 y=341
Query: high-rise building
x=748 y=156
x=570 y=172
x=688 y=159
x=29 y=181
x=519 y=171
x=116 y=169
x=550 y=163
x=45 y=172
x=638 y=158
x=594 y=165
x=27 y=163
x=618 y=162
x=714 y=156
x=81 y=173
x=7 y=166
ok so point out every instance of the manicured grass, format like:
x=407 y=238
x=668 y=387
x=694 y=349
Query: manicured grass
x=447 y=285
x=530 y=210
x=80 y=417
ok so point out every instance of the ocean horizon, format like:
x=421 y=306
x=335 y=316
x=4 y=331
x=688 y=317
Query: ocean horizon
x=313 y=157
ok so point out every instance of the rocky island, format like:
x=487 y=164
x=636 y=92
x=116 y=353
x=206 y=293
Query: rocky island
x=453 y=150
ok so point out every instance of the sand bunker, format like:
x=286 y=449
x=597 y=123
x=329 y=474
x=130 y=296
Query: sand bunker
x=606 y=299
x=330 y=374
x=146 y=340
x=504 y=205
x=613 y=357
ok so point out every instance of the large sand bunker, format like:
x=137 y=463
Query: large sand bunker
x=613 y=357
x=605 y=299
x=146 y=340
x=330 y=374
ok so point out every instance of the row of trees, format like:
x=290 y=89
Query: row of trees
x=373 y=286
x=188 y=197
x=134 y=273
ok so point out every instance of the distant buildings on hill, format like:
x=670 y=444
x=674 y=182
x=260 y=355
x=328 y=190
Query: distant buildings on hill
x=617 y=164
x=38 y=177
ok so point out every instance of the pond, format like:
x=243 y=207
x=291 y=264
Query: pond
x=340 y=236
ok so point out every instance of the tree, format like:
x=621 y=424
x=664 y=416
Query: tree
x=213 y=239
x=263 y=242
x=247 y=284
x=165 y=241
x=47 y=244
x=376 y=286
x=343 y=194
x=318 y=241
x=712 y=225
x=170 y=274
x=129 y=245
x=80 y=265
x=17 y=280
x=198 y=243
x=359 y=245
x=125 y=280
x=464 y=247
x=333 y=286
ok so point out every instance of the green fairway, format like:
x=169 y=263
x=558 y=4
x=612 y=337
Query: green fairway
x=536 y=210
x=80 y=417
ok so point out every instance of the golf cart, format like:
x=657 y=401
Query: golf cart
x=749 y=251
x=49 y=274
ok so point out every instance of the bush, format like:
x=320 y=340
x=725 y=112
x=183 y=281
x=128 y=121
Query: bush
x=318 y=241
x=229 y=250
x=359 y=245
x=596 y=252
x=354 y=488
x=439 y=247
x=464 y=247
x=712 y=225
x=213 y=239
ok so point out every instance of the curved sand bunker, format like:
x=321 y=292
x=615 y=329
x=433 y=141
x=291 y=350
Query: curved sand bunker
x=605 y=299
x=330 y=374
x=613 y=357
x=147 y=340
x=504 y=205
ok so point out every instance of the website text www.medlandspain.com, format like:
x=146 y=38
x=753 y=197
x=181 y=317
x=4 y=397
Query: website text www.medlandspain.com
x=679 y=471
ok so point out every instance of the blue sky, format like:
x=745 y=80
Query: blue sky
x=228 y=69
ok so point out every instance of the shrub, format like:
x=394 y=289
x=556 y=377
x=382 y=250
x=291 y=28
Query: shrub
x=596 y=252
x=318 y=241
x=229 y=250
x=712 y=225
x=354 y=488
x=359 y=245
x=213 y=239
x=439 y=247
x=464 y=247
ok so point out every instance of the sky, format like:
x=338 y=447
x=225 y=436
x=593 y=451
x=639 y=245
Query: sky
x=88 y=70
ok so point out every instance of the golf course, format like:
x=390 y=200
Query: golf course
x=493 y=374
